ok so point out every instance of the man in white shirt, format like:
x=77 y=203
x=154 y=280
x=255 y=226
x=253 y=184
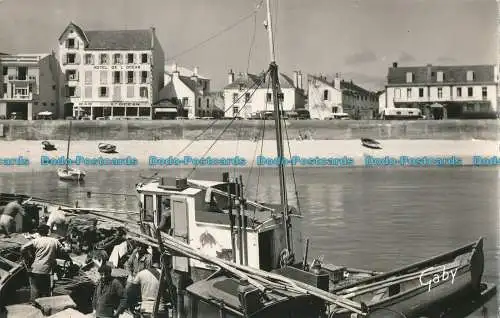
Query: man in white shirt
x=7 y=218
x=46 y=250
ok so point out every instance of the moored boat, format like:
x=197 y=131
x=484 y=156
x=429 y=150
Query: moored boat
x=370 y=143
x=71 y=174
x=106 y=148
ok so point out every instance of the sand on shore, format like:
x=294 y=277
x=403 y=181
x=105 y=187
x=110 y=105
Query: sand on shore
x=140 y=151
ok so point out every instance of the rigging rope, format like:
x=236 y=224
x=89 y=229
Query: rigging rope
x=232 y=26
x=231 y=121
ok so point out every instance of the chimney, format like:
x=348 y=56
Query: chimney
x=300 y=80
x=395 y=64
x=195 y=72
x=429 y=72
x=153 y=34
x=295 y=79
x=336 y=81
x=230 y=77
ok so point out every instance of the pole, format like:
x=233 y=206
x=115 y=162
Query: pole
x=273 y=68
x=231 y=222
x=243 y=224
x=69 y=141
x=238 y=225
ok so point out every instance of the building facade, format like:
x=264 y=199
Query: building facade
x=29 y=85
x=239 y=101
x=328 y=96
x=110 y=73
x=444 y=91
x=188 y=89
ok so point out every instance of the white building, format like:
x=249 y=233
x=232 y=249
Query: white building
x=327 y=96
x=239 y=102
x=110 y=73
x=468 y=91
x=189 y=90
x=29 y=85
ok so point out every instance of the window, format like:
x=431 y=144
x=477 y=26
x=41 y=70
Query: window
x=103 y=91
x=116 y=77
x=269 y=97
x=236 y=109
x=88 y=77
x=440 y=76
x=470 y=76
x=89 y=59
x=459 y=91
x=144 y=77
x=484 y=92
x=409 y=77
x=70 y=43
x=71 y=58
x=117 y=58
x=470 y=91
x=408 y=93
x=185 y=101
x=104 y=59
x=104 y=77
x=5 y=70
x=325 y=94
x=130 y=58
x=241 y=87
x=143 y=92
x=130 y=77
x=144 y=58
x=30 y=87
x=247 y=97
x=71 y=75
x=420 y=92
x=235 y=97
x=208 y=103
x=70 y=91
x=440 y=92
x=281 y=97
x=88 y=92
x=130 y=91
x=148 y=208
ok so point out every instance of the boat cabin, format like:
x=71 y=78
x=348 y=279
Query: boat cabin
x=224 y=296
x=201 y=214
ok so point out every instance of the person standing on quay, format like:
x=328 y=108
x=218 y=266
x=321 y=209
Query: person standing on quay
x=46 y=250
x=109 y=297
x=7 y=219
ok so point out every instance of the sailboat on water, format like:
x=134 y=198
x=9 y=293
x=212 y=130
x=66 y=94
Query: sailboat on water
x=69 y=173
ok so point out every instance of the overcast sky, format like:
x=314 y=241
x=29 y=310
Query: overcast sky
x=359 y=38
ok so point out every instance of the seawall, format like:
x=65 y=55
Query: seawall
x=248 y=130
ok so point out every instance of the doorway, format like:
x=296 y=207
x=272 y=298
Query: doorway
x=266 y=250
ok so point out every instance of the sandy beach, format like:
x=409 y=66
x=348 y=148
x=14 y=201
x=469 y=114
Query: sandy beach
x=136 y=154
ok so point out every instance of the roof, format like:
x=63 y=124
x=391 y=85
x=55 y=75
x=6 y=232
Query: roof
x=251 y=80
x=452 y=74
x=191 y=84
x=139 y=40
x=344 y=85
x=183 y=71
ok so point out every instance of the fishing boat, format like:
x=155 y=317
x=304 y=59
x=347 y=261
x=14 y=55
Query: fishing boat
x=69 y=173
x=48 y=146
x=214 y=218
x=106 y=148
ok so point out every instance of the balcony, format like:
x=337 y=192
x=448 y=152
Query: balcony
x=18 y=97
x=15 y=78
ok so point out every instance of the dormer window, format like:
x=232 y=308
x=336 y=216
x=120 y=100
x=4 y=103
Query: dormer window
x=103 y=59
x=117 y=58
x=409 y=77
x=70 y=44
x=440 y=76
x=470 y=76
x=241 y=86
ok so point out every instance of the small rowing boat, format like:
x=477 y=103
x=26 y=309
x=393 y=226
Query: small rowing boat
x=370 y=143
x=106 y=148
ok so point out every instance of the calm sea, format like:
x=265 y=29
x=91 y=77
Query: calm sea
x=377 y=219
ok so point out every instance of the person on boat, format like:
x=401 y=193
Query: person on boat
x=8 y=217
x=139 y=259
x=147 y=284
x=109 y=296
x=46 y=250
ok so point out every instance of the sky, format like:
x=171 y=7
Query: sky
x=357 y=38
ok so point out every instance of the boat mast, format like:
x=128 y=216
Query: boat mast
x=69 y=140
x=273 y=69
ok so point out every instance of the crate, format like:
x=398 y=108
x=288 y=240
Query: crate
x=55 y=304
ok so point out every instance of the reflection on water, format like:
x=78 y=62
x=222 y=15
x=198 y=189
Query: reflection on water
x=368 y=218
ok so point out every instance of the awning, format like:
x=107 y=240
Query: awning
x=165 y=110
x=45 y=113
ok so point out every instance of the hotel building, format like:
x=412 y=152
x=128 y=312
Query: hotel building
x=29 y=85
x=444 y=91
x=110 y=73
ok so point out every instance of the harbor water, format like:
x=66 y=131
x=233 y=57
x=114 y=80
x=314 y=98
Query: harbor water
x=378 y=219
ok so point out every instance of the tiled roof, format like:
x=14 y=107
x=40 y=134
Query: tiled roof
x=120 y=40
x=78 y=30
x=251 y=80
x=192 y=85
x=452 y=74
x=344 y=85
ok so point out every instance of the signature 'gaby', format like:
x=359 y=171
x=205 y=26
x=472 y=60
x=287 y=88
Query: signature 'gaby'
x=437 y=277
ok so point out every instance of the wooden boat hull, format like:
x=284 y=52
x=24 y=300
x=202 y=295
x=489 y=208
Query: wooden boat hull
x=421 y=289
x=71 y=174
x=370 y=143
x=107 y=148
